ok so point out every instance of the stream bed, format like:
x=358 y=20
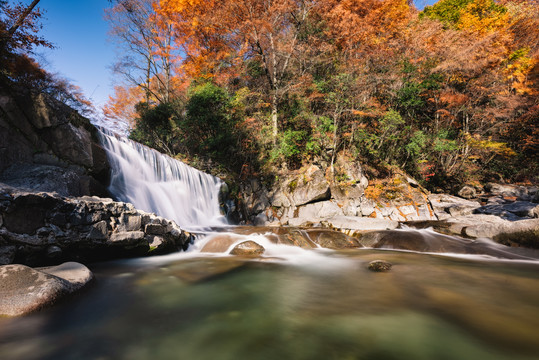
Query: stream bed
x=317 y=304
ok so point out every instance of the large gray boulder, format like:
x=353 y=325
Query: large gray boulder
x=47 y=146
x=25 y=290
x=447 y=206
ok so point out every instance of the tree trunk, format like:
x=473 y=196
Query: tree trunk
x=274 y=120
x=21 y=19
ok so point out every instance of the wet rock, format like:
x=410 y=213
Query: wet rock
x=335 y=240
x=512 y=210
x=25 y=290
x=248 y=248
x=41 y=228
x=219 y=243
x=128 y=237
x=198 y=270
x=155 y=229
x=379 y=266
x=351 y=225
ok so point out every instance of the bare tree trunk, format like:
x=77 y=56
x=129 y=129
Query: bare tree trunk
x=21 y=19
x=274 y=120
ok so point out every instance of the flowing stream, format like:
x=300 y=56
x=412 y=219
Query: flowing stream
x=292 y=303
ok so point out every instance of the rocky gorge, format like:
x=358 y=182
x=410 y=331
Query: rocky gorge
x=55 y=208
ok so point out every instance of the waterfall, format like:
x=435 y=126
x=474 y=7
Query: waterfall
x=157 y=183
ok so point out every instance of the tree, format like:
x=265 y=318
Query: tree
x=19 y=26
x=146 y=41
x=219 y=34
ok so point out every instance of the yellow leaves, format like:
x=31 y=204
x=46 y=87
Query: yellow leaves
x=483 y=16
x=518 y=67
x=494 y=147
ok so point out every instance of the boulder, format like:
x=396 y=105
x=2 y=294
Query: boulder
x=513 y=192
x=511 y=210
x=379 y=266
x=248 y=248
x=335 y=240
x=318 y=211
x=467 y=192
x=25 y=290
x=446 y=206
x=219 y=243
x=356 y=225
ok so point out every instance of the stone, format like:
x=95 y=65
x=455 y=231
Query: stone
x=219 y=243
x=335 y=240
x=98 y=231
x=25 y=290
x=379 y=266
x=155 y=229
x=7 y=254
x=511 y=211
x=467 y=192
x=350 y=225
x=320 y=210
x=248 y=248
x=503 y=190
x=129 y=223
x=54 y=251
x=129 y=237
x=446 y=206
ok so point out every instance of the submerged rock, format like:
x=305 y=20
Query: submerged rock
x=25 y=290
x=248 y=248
x=379 y=266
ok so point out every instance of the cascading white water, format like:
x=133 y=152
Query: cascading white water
x=157 y=183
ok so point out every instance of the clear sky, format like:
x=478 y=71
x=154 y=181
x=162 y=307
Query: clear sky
x=83 y=54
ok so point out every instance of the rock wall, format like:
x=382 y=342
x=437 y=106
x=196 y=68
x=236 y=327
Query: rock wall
x=39 y=229
x=307 y=197
x=47 y=146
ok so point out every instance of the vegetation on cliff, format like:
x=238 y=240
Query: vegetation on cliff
x=449 y=93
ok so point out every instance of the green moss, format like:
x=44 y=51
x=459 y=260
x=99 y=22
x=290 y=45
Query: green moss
x=293 y=185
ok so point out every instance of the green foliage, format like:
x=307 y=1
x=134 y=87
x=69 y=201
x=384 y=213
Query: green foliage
x=416 y=144
x=156 y=126
x=447 y=11
x=451 y=12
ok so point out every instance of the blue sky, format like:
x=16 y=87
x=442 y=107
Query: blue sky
x=83 y=54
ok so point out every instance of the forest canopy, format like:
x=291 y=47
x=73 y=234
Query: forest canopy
x=448 y=93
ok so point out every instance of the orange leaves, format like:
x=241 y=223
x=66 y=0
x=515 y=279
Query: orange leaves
x=121 y=105
x=453 y=99
x=359 y=24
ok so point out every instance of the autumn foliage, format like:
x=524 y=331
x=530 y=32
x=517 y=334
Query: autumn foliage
x=449 y=93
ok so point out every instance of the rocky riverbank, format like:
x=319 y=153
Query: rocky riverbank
x=39 y=229
x=305 y=198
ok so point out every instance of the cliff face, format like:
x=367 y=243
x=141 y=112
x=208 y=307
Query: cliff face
x=47 y=146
